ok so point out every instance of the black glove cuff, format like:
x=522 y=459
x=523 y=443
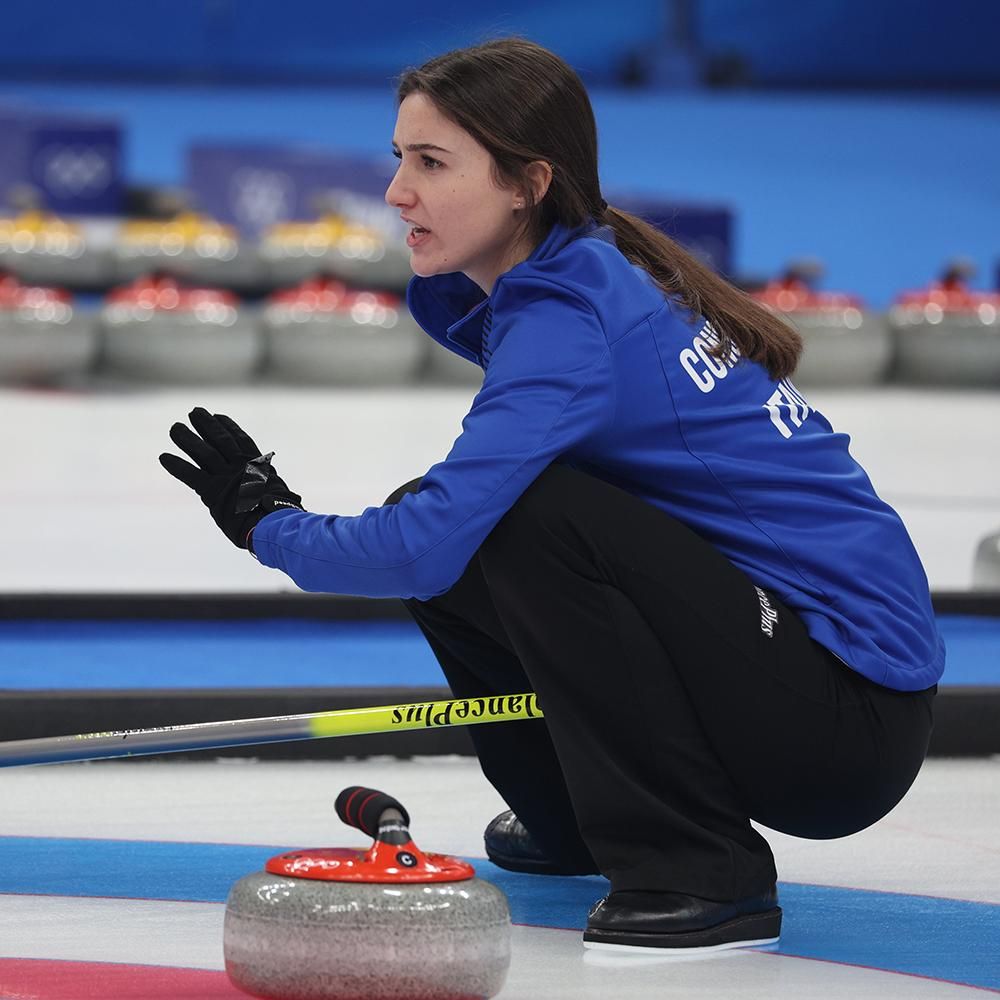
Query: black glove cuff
x=268 y=505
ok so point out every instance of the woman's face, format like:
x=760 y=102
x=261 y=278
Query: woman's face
x=444 y=185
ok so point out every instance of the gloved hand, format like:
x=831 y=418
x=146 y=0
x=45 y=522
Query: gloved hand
x=234 y=480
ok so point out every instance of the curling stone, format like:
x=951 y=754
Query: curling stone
x=190 y=246
x=445 y=367
x=947 y=334
x=43 y=337
x=323 y=331
x=156 y=329
x=843 y=342
x=293 y=251
x=986 y=565
x=389 y=923
x=41 y=248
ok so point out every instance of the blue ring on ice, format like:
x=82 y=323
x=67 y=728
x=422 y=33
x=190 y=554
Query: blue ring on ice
x=952 y=940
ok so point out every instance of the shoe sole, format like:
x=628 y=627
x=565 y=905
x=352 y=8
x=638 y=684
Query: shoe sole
x=751 y=931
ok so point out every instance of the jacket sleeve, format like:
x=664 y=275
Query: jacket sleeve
x=548 y=387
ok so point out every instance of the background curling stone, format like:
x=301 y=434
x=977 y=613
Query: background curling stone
x=290 y=252
x=43 y=337
x=444 y=367
x=390 y=923
x=986 y=564
x=41 y=248
x=323 y=331
x=158 y=330
x=947 y=334
x=192 y=247
x=843 y=342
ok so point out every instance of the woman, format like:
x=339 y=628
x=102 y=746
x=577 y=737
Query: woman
x=642 y=520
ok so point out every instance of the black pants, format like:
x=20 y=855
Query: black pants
x=676 y=706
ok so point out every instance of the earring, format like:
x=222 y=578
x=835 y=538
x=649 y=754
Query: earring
x=519 y=203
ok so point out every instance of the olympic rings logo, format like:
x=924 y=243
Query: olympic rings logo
x=77 y=171
x=261 y=197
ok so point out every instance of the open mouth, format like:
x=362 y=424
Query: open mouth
x=416 y=235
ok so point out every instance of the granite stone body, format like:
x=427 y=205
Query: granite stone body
x=35 y=348
x=303 y=939
x=841 y=347
x=334 y=348
x=180 y=347
x=956 y=349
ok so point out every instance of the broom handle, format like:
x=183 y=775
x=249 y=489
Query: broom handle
x=273 y=729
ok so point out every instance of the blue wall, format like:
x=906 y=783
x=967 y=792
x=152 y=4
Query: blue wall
x=886 y=42
x=857 y=42
x=307 y=39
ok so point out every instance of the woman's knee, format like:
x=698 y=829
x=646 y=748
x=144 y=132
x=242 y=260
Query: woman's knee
x=411 y=487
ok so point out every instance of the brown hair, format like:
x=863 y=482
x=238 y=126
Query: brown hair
x=523 y=103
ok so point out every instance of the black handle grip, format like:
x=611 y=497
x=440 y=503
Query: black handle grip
x=361 y=807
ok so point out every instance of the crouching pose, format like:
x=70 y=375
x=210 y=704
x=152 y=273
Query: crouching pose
x=642 y=520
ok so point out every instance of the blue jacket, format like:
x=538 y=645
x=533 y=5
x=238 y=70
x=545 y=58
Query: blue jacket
x=590 y=364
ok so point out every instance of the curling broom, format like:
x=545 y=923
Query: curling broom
x=273 y=729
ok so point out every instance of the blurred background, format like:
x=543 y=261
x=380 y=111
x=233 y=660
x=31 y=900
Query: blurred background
x=191 y=214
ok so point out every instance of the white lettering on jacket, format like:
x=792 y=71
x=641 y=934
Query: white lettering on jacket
x=768 y=616
x=787 y=404
x=703 y=368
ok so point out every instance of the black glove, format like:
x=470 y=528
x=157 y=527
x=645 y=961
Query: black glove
x=234 y=480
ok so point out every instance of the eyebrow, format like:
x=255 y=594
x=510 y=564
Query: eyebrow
x=420 y=147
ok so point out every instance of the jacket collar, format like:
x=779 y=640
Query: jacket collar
x=451 y=307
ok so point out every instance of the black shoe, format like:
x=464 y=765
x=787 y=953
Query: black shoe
x=645 y=920
x=510 y=846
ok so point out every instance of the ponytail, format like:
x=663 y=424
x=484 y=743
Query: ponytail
x=757 y=333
